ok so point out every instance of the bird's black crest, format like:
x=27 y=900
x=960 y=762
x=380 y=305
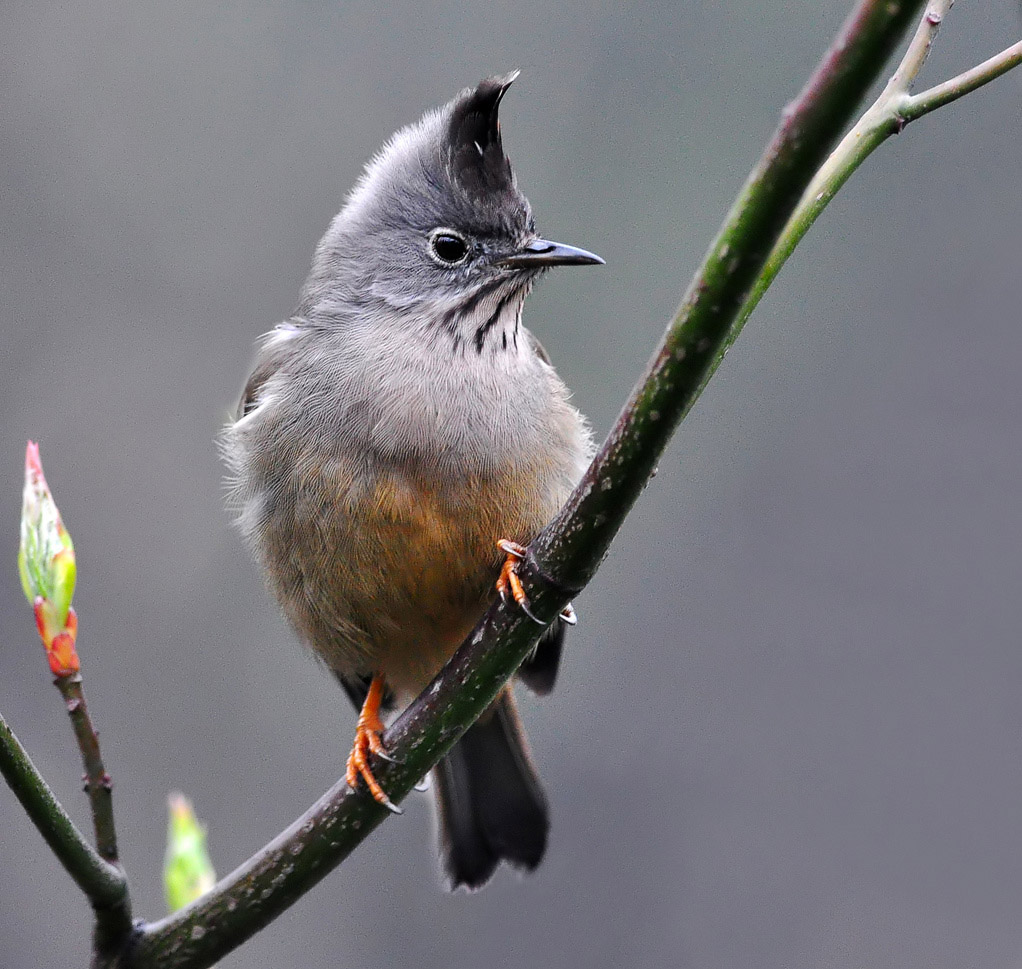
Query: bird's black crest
x=477 y=155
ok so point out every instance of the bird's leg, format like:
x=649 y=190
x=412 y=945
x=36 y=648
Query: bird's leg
x=367 y=738
x=508 y=581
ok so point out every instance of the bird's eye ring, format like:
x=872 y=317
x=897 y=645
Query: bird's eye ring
x=447 y=247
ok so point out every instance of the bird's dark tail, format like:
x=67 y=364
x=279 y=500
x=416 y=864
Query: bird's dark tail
x=490 y=801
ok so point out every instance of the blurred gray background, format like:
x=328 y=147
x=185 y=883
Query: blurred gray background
x=788 y=727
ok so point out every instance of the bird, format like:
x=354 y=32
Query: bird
x=400 y=440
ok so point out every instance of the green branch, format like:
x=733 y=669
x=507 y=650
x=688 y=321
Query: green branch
x=941 y=94
x=103 y=883
x=889 y=114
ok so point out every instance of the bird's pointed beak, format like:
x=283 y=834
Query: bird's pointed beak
x=541 y=253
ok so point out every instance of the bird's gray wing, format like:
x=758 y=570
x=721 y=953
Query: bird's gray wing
x=265 y=368
x=275 y=348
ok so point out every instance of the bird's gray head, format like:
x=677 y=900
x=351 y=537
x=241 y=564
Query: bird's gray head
x=436 y=236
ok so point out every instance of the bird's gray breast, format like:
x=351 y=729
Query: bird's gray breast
x=387 y=394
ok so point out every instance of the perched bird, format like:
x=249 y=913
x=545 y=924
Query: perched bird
x=401 y=437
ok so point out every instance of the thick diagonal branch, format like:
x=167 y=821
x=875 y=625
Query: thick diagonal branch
x=568 y=552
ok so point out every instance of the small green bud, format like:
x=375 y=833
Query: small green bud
x=187 y=870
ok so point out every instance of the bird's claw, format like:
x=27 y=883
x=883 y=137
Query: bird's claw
x=367 y=739
x=508 y=580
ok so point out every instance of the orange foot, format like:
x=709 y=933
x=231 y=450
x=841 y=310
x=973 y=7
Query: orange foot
x=508 y=581
x=367 y=738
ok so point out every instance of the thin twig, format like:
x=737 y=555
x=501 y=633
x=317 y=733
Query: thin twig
x=113 y=925
x=568 y=552
x=887 y=116
x=97 y=781
x=919 y=47
x=104 y=884
x=940 y=94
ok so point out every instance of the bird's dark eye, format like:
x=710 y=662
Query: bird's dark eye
x=448 y=247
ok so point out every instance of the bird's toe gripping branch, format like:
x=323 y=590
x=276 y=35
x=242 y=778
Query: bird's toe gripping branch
x=508 y=582
x=368 y=738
